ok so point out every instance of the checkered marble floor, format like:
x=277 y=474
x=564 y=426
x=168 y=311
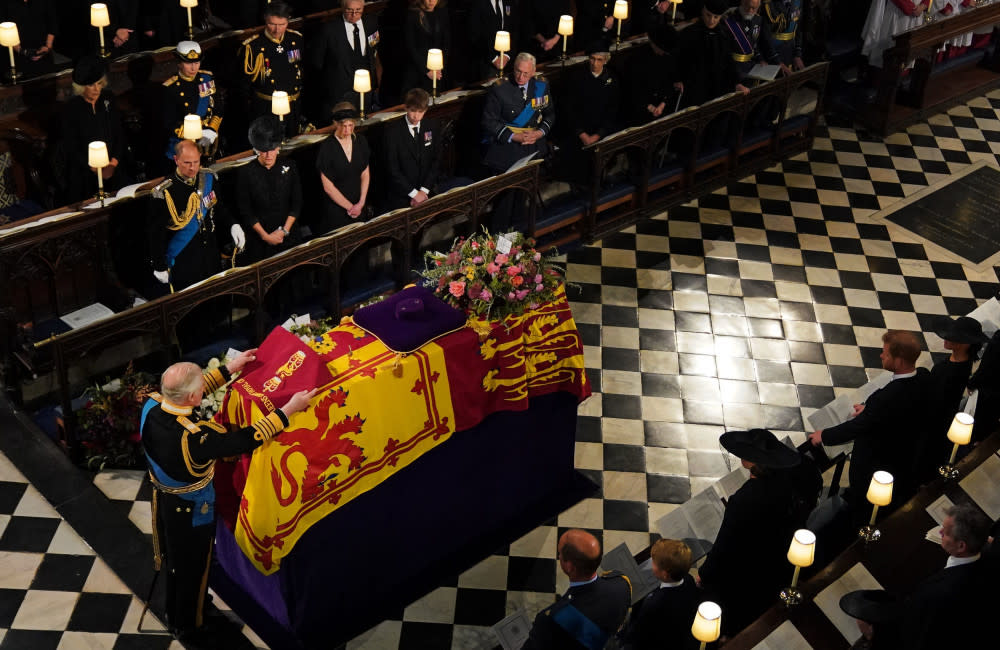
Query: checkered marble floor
x=752 y=306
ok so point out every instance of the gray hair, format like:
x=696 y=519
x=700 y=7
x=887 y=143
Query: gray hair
x=604 y=55
x=79 y=88
x=969 y=525
x=526 y=56
x=179 y=381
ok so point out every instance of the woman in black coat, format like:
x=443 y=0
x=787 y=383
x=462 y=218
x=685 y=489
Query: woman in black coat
x=426 y=27
x=746 y=567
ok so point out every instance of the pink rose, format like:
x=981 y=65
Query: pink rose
x=501 y=258
x=538 y=256
x=523 y=293
x=538 y=278
x=486 y=296
x=475 y=245
x=478 y=259
x=539 y=287
x=510 y=296
x=492 y=268
x=513 y=270
x=457 y=288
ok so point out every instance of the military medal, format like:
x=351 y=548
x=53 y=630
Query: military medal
x=204 y=508
x=279 y=49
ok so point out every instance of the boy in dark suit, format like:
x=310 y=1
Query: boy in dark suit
x=663 y=618
x=413 y=154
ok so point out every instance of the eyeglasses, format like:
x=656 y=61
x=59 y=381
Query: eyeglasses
x=354 y=11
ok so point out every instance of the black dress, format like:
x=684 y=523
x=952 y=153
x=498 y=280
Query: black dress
x=81 y=125
x=268 y=197
x=331 y=161
x=422 y=31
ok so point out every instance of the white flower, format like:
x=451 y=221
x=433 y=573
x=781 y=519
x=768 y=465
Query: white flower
x=214 y=363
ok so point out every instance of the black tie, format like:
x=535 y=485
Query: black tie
x=357 y=40
x=414 y=129
x=500 y=12
x=524 y=93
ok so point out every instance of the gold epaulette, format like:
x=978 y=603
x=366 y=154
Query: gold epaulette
x=171 y=81
x=156 y=397
x=208 y=72
x=188 y=424
x=247 y=42
x=194 y=468
x=268 y=427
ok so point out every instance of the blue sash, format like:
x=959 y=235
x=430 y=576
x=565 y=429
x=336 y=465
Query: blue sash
x=199 y=498
x=184 y=236
x=582 y=629
x=746 y=47
x=532 y=107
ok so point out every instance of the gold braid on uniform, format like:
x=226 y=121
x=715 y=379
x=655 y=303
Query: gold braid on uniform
x=213 y=380
x=257 y=69
x=200 y=470
x=266 y=428
x=157 y=554
x=178 y=221
x=781 y=21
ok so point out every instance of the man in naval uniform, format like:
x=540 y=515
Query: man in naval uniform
x=183 y=237
x=518 y=116
x=272 y=61
x=592 y=610
x=784 y=17
x=191 y=92
x=181 y=455
x=750 y=40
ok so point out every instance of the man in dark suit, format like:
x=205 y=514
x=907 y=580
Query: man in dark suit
x=518 y=116
x=887 y=428
x=663 y=618
x=953 y=607
x=594 y=607
x=413 y=153
x=486 y=18
x=342 y=47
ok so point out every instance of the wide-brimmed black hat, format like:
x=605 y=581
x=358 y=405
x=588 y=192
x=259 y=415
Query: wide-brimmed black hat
x=717 y=7
x=963 y=329
x=88 y=70
x=871 y=606
x=346 y=114
x=761 y=447
x=265 y=133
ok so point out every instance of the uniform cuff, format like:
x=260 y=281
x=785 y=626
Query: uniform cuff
x=214 y=380
x=270 y=426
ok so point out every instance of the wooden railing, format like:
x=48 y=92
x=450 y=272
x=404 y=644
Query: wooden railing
x=41 y=266
x=896 y=107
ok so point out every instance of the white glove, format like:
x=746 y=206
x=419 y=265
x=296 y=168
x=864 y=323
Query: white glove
x=238 y=237
x=208 y=136
x=162 y=276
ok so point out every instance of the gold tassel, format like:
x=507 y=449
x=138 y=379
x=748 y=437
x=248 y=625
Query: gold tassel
x=397 y=366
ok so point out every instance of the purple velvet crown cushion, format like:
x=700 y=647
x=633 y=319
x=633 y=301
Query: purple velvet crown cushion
x=409 y=319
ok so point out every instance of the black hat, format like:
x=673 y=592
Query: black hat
x=871 y=606
x=963 y=329
x=345 y=114
x=717 y=7
x=265 y=133
x=88 y=70
x=598 y=46
x=761 y=447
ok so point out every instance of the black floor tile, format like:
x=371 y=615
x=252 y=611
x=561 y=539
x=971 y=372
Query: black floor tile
x=624 y=458
x=856 y=280
x=656 y=385
x=849 y=376
x=909 y=251
x=685 y=246
x=819 y=259
x=594 y=377
x=63 y=572
x=31 y=640
x=657 y=340
x=667 y=489
x=871 y=357
x=846 y=245
x=652 y=260
x=828 y=295
x=816 y=396
x=143 y=642
x=788 y=273
x=531 y=574
x=421 y=636
x=655 y=299
x=784 y=418
x=10 y=496
x=626 y=515
x=686 y=321
x=619 y=316
x=895 y=301
x=863 y=317
x=582 y=292
x=28 y=534
x=959 y=306
x=590 y=334
x=839 y=334
x=617 y=276
x=622 y=240
x=725 y=268
x=483 y=607
x=689 y=282
x=806 y=352
x=758 y=289
x=626 y=407
x=922 y=286
x=588 y=428
x=802 y=311
x=99 y=612
x=10 y=602
x=619 y=359
x=753 y=253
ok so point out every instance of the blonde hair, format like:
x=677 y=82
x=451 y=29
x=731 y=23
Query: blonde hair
x=79 y=88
